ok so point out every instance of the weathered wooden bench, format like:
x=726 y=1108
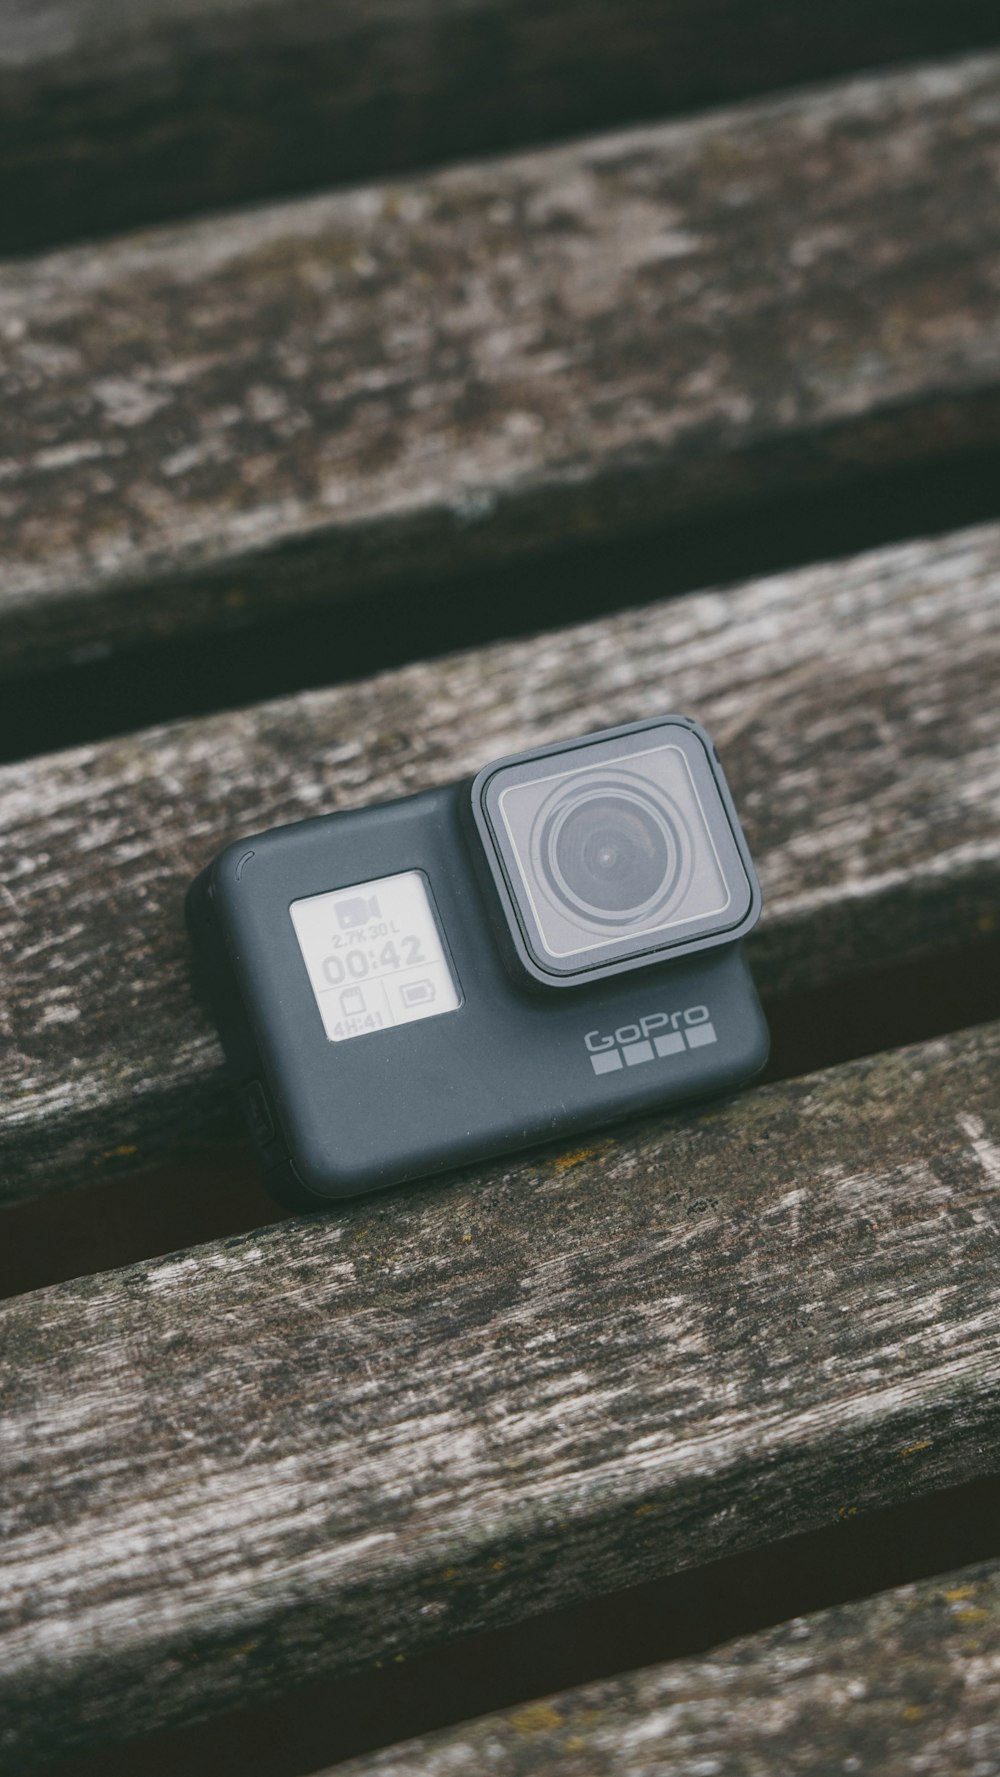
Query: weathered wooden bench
x=382 y=387
x=306 y=1448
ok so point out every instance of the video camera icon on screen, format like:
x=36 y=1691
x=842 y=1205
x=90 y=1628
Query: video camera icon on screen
x=356 y=910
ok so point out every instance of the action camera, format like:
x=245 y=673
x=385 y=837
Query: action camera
x=544 y=949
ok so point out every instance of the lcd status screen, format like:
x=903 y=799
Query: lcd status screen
x=374 y=955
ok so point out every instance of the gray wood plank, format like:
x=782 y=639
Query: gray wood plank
x=113 y=115
x=903 y=1682
x=293 y=1452
x=854 y=705
x=204 y=425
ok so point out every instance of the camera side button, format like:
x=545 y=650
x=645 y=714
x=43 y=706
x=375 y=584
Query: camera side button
x=257 y=1112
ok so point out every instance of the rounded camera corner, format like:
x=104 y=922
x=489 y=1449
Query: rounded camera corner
x=479 y=783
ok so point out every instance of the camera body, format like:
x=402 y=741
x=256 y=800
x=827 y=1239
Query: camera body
x=548 y=948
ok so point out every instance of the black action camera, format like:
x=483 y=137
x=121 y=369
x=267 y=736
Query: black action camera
x=544 y=949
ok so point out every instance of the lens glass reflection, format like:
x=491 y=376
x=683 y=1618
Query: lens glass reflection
x=616 y=843
x=608 y=850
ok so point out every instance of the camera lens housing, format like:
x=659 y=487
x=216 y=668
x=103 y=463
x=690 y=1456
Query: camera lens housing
x=614 y=851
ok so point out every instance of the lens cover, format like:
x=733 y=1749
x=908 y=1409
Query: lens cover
x=613 y=851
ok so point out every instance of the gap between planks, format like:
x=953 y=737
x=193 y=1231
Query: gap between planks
x=902 y=1682
x=116 y=117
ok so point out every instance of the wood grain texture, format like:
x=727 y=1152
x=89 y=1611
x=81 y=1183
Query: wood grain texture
x=854 y=706
x=907 y=1681
x=293 y=1452
x=202 y=425
x=113 y=115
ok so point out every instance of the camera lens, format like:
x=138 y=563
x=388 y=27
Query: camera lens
x=610 y=850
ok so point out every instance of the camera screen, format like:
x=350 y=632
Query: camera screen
x=374 y=955
x=618 y=847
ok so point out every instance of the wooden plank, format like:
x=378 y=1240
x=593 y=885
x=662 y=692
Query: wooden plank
x=295 y=1451
x=854 y=705
x=207 y=424
x=112 y=116
x=906 y=1681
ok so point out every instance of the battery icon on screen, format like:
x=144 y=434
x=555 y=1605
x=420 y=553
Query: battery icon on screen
x=417 y=993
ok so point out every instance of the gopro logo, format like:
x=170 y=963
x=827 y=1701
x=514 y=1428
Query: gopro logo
x=658 y=1034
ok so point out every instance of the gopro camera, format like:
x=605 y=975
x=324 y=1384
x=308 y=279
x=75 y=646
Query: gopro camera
x=547 y=948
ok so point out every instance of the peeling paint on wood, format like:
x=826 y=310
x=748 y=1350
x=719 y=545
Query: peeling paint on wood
x=201 y=425
x=854 y=706
x=290 y=1453
x=903 y=1682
